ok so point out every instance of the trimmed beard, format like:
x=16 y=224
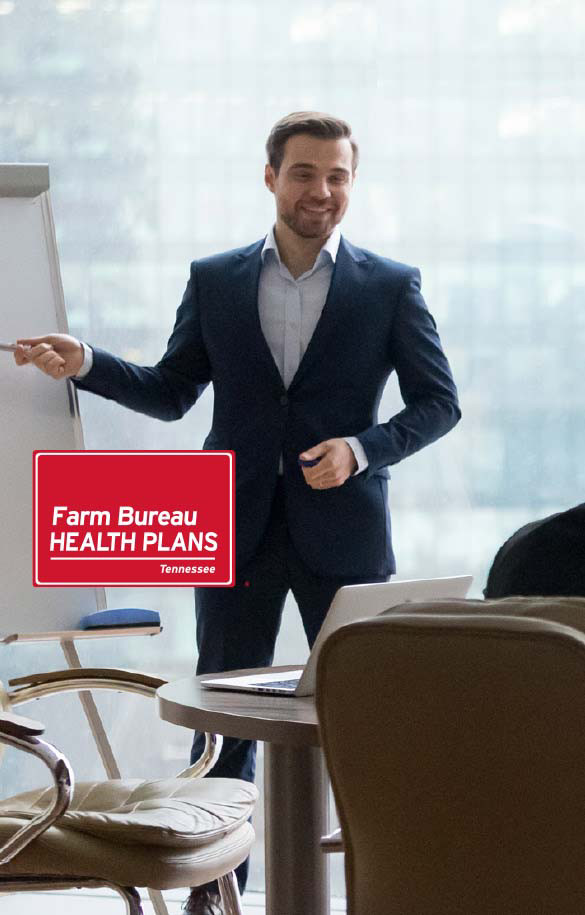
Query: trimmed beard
x=293 y=223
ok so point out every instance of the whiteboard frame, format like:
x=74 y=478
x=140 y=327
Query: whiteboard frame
x=32 y=180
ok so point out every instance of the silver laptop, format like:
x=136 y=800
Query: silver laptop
x=352 y=602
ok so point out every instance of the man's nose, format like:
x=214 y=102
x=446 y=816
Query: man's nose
x=320 y=189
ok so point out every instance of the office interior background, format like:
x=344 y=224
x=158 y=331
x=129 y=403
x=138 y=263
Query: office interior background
x=471 y=122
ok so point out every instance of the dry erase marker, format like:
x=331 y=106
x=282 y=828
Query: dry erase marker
x=11 y=347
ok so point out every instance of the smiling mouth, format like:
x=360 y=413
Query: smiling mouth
x=314 y=211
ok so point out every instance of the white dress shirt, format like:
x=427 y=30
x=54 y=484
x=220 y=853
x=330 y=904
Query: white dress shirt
x=289 y=311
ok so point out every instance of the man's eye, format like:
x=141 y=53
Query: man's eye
x=337 y=179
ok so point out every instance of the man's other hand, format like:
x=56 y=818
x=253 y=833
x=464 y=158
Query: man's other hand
x=57 y=355
x=337 y=463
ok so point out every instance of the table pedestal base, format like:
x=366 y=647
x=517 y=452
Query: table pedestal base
x=296 y=813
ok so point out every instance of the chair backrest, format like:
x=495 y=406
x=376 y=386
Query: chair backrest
x=456 y=749
x=545 y=557
x=570 y=611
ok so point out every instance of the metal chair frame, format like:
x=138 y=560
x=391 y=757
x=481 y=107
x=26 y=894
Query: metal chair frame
x=23 y=734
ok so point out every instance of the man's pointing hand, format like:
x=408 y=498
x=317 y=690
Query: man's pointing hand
x=337 y=462
x=58 y=355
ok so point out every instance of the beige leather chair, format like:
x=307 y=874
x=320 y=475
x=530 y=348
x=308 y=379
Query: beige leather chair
x=123 y=833
x=455 y=742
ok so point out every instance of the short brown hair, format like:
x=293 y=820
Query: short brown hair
x=316 y=124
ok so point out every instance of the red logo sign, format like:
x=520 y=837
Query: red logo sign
x=159 y=518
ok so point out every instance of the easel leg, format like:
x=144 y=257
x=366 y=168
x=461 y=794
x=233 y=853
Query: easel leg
x=93 y=716
x=103 y=747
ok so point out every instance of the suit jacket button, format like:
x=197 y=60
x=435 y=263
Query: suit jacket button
x=283 y=400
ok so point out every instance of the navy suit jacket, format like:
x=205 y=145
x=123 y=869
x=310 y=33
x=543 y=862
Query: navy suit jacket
x=374 y=321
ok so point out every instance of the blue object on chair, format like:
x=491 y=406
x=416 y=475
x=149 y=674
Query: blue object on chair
x=123 y=616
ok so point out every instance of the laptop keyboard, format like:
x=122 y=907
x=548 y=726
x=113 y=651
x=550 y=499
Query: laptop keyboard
x=281 y=684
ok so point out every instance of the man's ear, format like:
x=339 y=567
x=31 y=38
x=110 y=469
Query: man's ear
x=269 y=177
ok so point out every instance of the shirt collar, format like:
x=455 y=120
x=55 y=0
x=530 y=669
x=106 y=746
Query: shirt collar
x=331 y=247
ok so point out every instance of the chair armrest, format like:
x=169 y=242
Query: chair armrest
x=37 y=686
x=40 y=685
x=18 y=726
x=207 y=760
x=107 y=673
x=22 y=733
x=332 y=842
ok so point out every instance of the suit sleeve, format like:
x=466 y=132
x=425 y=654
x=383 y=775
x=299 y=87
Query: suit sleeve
x=168 y=389
x=426 y=384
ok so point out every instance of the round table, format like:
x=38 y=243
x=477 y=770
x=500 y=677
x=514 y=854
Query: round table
x=295 y=780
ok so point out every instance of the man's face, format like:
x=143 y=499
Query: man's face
x=313 y=184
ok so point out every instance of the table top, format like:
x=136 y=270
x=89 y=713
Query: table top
x=253 y=716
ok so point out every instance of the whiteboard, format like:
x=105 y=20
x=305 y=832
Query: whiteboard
x=36 y=412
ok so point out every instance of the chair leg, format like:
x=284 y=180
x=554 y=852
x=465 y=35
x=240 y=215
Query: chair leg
x=131 y=898
x=32 y=883
x=230 y=894
x=158 y=903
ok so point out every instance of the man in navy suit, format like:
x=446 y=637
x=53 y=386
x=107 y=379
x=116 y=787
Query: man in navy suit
x=298 y=334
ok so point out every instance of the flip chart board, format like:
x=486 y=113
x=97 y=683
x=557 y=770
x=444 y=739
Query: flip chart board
x=35 y=411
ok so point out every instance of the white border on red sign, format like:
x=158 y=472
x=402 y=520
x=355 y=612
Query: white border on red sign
x=117 y=584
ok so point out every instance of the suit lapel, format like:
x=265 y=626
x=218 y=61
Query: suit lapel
x=350 y=273
x=246 y=278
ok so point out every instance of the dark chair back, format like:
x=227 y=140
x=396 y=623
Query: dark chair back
x=456 y=749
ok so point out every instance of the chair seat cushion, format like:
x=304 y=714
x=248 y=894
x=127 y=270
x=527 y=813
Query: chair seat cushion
x=177 y=812
x=66 y=852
